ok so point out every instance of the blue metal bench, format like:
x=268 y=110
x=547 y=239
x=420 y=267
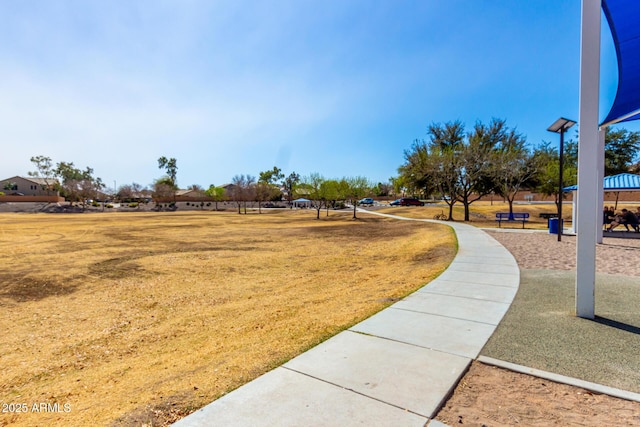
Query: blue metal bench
x=512 y=217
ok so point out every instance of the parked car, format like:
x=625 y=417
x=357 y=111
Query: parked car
x=407 y=201
x=367 y=201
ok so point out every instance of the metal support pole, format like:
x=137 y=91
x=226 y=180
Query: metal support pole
x=574 y=210
x=588 y=159
x=599 y=232
x=560 y=192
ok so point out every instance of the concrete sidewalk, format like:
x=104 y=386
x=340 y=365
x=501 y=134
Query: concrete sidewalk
x=395 y=368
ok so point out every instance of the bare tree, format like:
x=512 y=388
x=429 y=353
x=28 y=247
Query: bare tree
x=243 y=190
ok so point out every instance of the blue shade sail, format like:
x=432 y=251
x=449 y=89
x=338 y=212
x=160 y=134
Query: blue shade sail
x=620 y=182
x=623 y=17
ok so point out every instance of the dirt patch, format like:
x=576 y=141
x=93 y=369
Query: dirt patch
x=490 y=396
x=21 y=289
x=165 y=412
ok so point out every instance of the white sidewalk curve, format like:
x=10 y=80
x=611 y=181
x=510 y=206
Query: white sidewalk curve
x=395 y=368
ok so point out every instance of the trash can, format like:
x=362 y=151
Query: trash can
x=553 y=225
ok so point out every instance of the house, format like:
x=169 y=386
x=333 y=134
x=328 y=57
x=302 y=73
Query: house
x=229 y=188
x=29 y=186
x=196 y=194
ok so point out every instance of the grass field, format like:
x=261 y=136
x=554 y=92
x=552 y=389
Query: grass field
x=140 y=318
x=483 y=214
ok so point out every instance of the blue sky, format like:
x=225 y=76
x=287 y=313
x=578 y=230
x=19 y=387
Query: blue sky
x=338 y=87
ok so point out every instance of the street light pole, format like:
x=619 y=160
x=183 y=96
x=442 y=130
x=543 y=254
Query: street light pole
x=560 y=186
x=560 y=126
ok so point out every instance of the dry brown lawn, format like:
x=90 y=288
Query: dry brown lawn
x=483 y=214
x=141 y=318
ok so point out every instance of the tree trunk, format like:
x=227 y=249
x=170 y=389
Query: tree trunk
x=465 y=203
x=450 y=211
x=354 y=210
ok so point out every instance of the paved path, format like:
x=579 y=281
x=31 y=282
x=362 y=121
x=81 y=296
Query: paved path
x=397 y=367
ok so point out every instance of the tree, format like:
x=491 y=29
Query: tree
x=78 y=185
x=436 y=166
x=171 y=167
x=271 y=176
x=330 y=190
x=314 y=184
x=476 y=158
x=266 y=188
x=547 y=177
x=513 y=166
x=415 y=174
x=463 y=167
x=357 y=188
x=45 y=171
x=620 y=150
x=243 y=190
x=264 y=192
x=162 y=189
x=131 y=193
x=289 y=185
x=125 y=193
x=382 y=189
x=398 y=183
x=216 y=193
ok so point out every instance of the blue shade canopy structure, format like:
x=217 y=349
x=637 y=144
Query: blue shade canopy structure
x=620 y=182
x=623 y=17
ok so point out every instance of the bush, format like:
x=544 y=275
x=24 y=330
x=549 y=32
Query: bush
x=108 y=205
x=133 y=205
x=95 y=204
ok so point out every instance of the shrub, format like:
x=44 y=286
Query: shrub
x=133 y=205
x=108 y=205
x=95 y=204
